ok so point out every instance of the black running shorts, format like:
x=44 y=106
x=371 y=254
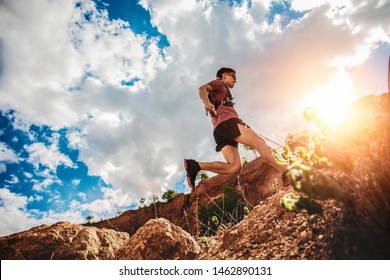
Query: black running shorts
x=226 y=132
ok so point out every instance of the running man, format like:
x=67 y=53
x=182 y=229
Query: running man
x=229 y=130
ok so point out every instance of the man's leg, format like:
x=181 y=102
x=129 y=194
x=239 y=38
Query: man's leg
x=231 y=166
x=249 y=138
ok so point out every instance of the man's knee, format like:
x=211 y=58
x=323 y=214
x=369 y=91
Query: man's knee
x=236 y=168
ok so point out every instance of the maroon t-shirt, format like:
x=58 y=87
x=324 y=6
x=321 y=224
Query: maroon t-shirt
x=219 y=92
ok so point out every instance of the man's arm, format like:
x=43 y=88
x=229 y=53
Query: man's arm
x=204 y=96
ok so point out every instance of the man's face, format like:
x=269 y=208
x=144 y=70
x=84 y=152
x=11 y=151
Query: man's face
x=229 y=79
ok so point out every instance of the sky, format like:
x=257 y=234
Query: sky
x=99 y=103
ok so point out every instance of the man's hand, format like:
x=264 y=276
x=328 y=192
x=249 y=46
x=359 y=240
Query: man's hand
x=204 y=96
x=210 y=109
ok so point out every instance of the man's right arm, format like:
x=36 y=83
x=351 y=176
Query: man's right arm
x=204 y=96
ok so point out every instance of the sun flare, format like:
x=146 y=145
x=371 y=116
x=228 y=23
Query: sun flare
x=331 y=100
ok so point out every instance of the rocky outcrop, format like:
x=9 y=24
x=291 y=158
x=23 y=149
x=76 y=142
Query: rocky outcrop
x=255 y=183
x=62 y=241
x=131 y=220
x=269 y=232
x=159 y=239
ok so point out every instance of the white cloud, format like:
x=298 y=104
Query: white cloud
x=13 y=180
x=42 y=185
x=82 y=195
x=111 y=201
x=35 y=197
x=7 y=155
x=15 y=217
x=43 y=58
x=302 y=5
x=3 y=168
x=52 y=54
x=76 y=182
x=50 y=157
x=28 y=175
x=13 y=214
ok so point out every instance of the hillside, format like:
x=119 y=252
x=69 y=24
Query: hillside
x=346 y=214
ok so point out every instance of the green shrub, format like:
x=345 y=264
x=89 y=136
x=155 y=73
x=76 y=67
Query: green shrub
x=168 y=195
x=222 y=213
x=350 y=164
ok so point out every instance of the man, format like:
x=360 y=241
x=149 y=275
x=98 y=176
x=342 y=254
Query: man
x=229 y=130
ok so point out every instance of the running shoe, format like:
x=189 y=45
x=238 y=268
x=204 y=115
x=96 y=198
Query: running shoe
x=192 y=168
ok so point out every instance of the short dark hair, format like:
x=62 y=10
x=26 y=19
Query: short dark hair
x=224 y=70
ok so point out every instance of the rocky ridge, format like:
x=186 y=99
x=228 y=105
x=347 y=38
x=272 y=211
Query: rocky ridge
x=161 y=231
x=267 y=232
x=255 y=183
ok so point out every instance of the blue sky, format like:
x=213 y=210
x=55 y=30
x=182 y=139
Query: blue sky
x=98 y=99
x=50 y=183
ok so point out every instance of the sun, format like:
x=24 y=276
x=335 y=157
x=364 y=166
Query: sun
x=331 y=100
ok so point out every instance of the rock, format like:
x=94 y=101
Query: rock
x=130 y=221
x=159 y=239
x=61 y=241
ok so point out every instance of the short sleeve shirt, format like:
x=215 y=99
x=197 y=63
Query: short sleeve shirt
x=220 y=92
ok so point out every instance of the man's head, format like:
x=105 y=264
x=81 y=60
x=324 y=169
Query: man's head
x=228 y=75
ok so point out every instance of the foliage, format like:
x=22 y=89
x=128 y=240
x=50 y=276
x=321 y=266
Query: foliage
x=168 y=195
x=153 y=198
x=142 y=202
x=223 y=213
x=202 y=176
x=89 y=219
x=350 y=163
x=305 y=154
x=295 y=203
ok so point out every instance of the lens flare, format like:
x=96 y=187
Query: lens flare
x=331 y=100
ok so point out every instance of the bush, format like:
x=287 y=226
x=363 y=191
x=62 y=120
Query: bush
x=350 y=164
x=222 y=213
x=168 y=195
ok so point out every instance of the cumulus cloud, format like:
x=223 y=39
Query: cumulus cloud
x=302 y=5
x=46 y=158
x=111 y=201
x=53 y=54
x=12 y=208
x=15 y=215
x=7 y=155
x=50 y=157
x=3 y=168
x=14 y=180
x=70 y=70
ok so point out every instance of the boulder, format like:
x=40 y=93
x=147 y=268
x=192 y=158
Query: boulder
x=159 y=239
x=62 y=241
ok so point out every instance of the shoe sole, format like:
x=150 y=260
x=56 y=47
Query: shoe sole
x=188 y=179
